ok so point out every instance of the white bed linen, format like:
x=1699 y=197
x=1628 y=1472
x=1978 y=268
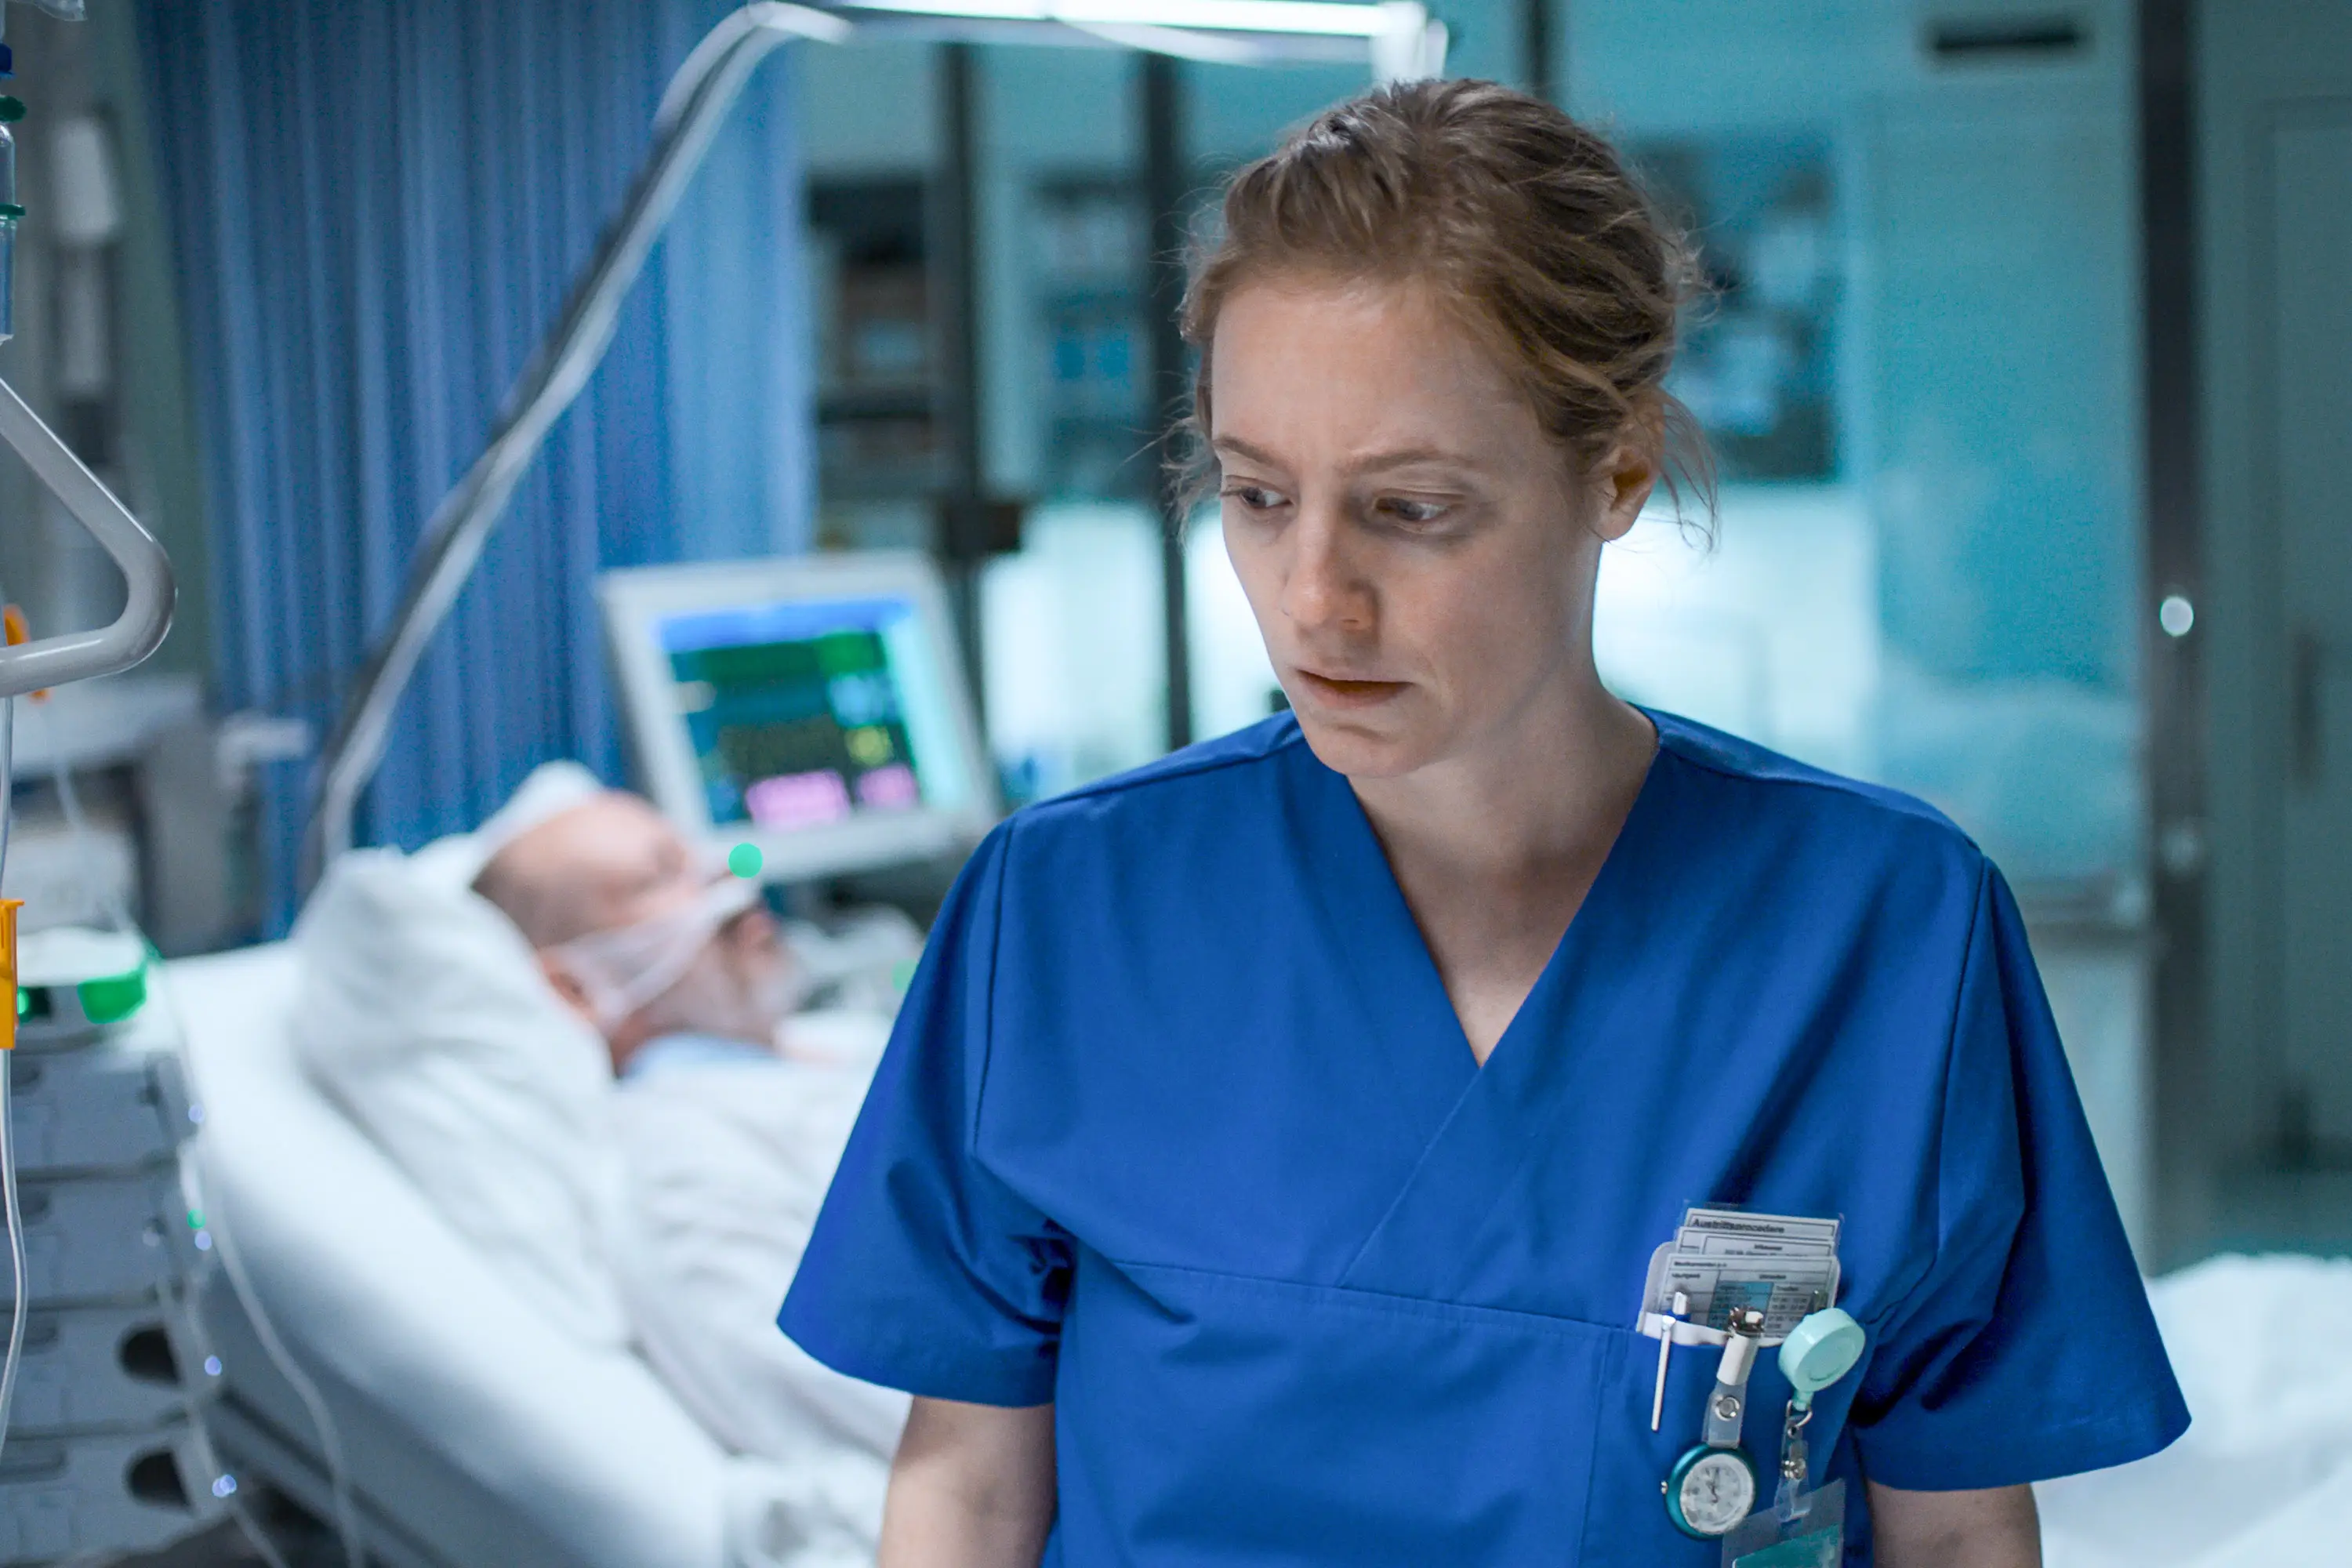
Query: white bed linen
x=423 y=1015
x=485 y=1433
x=726 y=1163
x=2263 y=1476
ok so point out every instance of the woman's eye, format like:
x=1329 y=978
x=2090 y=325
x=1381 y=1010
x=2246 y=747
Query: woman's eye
x=1253 y=498
x=1405 y=510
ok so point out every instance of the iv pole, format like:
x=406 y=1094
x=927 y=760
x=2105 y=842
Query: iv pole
x=146 y=570
x=53 y=661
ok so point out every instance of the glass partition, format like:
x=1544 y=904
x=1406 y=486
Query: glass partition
x=1915 y=362
x=1918 y=369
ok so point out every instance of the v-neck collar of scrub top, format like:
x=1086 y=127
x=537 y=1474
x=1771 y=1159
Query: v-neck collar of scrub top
x=1474 y=1125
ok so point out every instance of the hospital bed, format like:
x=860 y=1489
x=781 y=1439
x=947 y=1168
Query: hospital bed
x=473 y=1432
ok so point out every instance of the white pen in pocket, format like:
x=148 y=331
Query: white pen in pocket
x=1666 y=1350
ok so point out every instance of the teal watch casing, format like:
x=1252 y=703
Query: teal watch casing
x=1707 y=1504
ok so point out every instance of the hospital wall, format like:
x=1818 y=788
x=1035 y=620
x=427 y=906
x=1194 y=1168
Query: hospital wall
x=1979 y=523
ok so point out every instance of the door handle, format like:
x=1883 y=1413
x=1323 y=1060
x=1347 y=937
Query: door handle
x=2306 y=709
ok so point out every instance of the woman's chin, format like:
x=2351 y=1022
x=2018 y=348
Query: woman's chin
x=1365 y=747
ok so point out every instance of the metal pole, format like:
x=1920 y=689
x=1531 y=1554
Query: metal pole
x=2172 y=668
x=1535 y=38
x=1160 y=92
x=954 y=251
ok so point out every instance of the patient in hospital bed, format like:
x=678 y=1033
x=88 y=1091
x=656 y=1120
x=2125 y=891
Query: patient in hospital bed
x=578 y=1039
x=731 y=1115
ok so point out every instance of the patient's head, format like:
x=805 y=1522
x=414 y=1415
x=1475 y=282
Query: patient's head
x=612 y=864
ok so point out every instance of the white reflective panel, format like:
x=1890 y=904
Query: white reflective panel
x=1772 y=634
x=1232 y=680
x=1071 y=657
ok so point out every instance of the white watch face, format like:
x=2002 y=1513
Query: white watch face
x=1718 y=1492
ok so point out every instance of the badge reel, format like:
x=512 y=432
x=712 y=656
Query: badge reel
x=1803 y=1528
x=1818 y=1352
x=1714 y=1488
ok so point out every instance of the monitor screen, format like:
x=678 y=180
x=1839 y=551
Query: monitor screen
x=814 y=706
x=803 y=713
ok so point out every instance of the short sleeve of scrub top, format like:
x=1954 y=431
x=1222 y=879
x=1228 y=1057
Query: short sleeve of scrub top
x=964 y=1280
x=1992 y=1368
x=1178 y=1131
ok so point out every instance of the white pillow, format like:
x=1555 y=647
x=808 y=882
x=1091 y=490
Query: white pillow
x=423 y=1013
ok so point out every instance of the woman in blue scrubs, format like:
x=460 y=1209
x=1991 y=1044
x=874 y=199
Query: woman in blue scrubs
x=1269 y=1163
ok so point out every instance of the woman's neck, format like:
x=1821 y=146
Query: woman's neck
x=1552 y=787
x=1495 y=852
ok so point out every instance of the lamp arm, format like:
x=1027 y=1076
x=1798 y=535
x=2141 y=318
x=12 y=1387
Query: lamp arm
x=146 y=570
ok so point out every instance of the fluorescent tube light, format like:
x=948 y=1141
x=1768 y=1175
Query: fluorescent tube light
x=1326 y=17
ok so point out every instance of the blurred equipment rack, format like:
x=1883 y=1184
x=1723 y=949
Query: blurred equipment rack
x=105 y=1450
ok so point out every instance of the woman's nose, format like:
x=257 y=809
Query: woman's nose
x=1324 y=588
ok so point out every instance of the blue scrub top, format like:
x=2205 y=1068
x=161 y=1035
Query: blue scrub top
x=1179 y=1131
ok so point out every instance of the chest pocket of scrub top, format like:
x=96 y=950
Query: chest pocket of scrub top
x=1625 y=1523
x=1218 y=1419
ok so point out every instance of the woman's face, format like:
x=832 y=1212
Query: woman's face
x=1418 y=554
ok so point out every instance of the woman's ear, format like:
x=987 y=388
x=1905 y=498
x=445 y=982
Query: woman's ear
x=1625 y=478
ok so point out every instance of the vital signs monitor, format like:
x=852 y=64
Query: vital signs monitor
x=813 y=706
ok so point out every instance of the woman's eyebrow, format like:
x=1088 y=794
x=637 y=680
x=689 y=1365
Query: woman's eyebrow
x=1377 y=462
x=1241 y=448
x=1406 y=457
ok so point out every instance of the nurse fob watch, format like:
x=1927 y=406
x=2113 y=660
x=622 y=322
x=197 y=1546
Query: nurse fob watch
x=1713 y=1486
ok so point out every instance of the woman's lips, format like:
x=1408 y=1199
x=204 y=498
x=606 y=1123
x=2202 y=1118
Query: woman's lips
x=1333 y=692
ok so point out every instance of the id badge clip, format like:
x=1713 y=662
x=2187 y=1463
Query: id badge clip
x=1714 y=1488
x=1749 y=1281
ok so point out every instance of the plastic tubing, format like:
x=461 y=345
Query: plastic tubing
x=15 y=1218
x=10 y=212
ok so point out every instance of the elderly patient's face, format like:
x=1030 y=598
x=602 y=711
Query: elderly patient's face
x=613 y=861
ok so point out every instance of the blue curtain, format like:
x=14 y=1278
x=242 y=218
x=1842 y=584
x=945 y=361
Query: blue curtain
x=377 y=209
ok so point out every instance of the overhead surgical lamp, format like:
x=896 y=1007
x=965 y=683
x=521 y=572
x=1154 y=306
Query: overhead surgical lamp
x=1397 y=39
x=1308 y=16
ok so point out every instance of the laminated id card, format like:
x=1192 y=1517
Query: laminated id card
x=1814 y=1539
x=1726 y=1260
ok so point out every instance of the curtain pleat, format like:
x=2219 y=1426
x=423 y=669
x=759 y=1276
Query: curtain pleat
x=377 y=210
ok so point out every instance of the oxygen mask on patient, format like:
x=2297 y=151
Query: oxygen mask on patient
x=688 y=968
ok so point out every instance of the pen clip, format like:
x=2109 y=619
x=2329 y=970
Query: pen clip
x=1666 y=1348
